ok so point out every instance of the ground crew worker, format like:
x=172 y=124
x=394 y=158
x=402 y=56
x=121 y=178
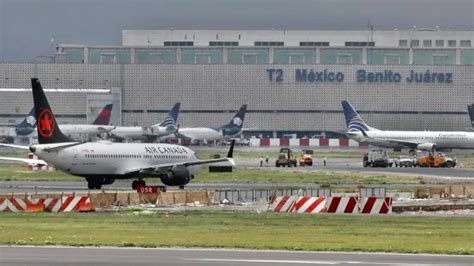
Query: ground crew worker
x=261 y=161
x=324 y=160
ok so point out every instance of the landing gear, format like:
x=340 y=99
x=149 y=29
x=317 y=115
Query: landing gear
x=138 y=183
x=181 y=187
x=93 y=183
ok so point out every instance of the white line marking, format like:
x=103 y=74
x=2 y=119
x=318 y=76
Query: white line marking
x=272 y=261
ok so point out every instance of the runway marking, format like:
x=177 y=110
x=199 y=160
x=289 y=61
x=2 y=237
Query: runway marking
x=273 y=261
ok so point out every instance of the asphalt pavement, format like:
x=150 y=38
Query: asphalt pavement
x=27 y=255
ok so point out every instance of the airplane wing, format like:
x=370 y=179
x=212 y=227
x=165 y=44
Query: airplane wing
x=24 y=160
x=163 y=168
x=15 y=146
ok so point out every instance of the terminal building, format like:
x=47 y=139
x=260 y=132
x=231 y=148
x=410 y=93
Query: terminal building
x=292 y=81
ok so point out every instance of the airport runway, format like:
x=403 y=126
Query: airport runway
x=25 y=255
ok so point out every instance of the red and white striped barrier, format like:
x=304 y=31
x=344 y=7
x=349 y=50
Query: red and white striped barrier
x=68 y=204
x=21 y=205
x=343 y=205
x=308 y=204
x=374 y=205
x=283 y=203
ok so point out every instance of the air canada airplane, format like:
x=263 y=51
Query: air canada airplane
x=101 y=163
x=149 y=134
x=358 y=130
x=233 y=128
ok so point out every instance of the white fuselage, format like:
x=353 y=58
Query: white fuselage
x=84 y=129
x=201 y=133
x=441 y=139
x=114 y=159
x=141 y=133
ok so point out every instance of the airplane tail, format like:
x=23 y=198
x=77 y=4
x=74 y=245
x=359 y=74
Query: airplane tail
x=172 y=118
x=104 y=116
x=48 y=129
x=28 y=125
x=470 y=109
x=353 y=120
x=238 y=119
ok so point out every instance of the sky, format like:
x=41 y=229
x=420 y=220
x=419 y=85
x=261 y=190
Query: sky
x=27 y=27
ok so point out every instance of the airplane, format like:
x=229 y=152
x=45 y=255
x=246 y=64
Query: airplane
x=101 y=163
x=167 y=127
x=76 y=131
x=358 y=130
x=233 y=128
x=84 y=131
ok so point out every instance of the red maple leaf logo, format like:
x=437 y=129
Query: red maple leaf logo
x=45 y=123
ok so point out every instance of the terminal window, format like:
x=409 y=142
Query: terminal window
x=440 y=59
x=269 y=43
x=439 y=43
x=223 y=43
x=108 y=58
x=427 y=43
x=414 y=43
x=249 y=58
x=465 y=43
x=296 y=59
x=344 y=59
x=360 y=44
x=452 y=43
x=155 y=58
x=202 y=59
x=403 y=43
x=178 y=43
x=392 y=59
x=314 y=44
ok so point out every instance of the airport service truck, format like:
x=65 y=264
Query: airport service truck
x=286 y=158
x=435 y=160
x=377 y=158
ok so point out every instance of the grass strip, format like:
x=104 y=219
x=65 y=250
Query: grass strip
x=449 y=235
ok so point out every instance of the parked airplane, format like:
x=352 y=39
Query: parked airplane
x=167 y=127
x=75 y=131
x=103 y=162
x=84 y=131
x=233 y=128
x=358 y=130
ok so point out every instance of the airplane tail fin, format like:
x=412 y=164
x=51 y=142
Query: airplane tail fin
x=172 y=118
x=238 y=119
x=104 y=117
x=48 y=129
x=470 y=109
x=28 y=125
x=353 y=120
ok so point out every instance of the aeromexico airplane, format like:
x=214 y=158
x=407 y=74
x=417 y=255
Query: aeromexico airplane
x=76 y=131
x=234 y=127
x=150 y=134
x=101 y=163
x=358 y=130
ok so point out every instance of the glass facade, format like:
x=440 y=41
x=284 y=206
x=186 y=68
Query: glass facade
x=109 y=56
x=248 y=56
x=341 y=56
x=155 y=56
x=387 y=56
x=201 y=56
x=433 y=57
x=74 y=55
x=294 y=56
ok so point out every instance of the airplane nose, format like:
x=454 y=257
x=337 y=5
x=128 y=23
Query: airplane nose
x=32 y=149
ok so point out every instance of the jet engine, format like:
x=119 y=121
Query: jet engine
x=179 y=175
x=426 y=146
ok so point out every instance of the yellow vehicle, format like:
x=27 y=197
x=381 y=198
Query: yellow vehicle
x=306 y=158
x=286 y=158
x=435 y=160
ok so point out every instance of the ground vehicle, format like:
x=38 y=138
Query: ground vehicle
x=404 y=161
x=286 y=158
x=435 y=160
x=306 y=158
x=377 y=158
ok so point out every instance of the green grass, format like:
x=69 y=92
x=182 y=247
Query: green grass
x=274 y=176
x=451 y=235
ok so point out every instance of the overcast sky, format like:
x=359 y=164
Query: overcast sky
x=27 y=26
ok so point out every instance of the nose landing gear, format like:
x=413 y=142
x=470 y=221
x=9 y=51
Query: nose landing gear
x=138 y=183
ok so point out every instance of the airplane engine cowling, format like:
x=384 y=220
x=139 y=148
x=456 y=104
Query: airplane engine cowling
x=177 y=176
x=426 y=146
